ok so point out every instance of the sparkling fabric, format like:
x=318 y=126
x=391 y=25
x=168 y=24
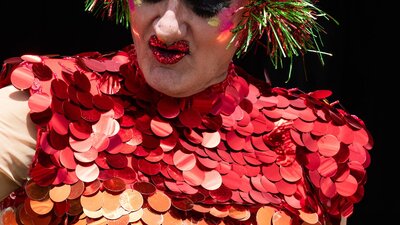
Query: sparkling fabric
x=111 y=150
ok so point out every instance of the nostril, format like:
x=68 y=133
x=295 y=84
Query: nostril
x=168 y=34
x=162 y=39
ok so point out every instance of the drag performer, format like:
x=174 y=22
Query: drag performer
x=169 y=130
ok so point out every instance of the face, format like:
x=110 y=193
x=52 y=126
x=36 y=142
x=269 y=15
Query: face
x=182 y=46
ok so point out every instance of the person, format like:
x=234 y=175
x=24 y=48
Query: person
x=169 y=130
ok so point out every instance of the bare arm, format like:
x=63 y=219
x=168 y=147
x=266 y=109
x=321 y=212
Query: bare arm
x=17 y=139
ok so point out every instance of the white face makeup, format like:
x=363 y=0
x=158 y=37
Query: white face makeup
x=179 y=51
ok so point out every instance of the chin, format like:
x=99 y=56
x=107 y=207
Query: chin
x=174 y=92
x=166 y=82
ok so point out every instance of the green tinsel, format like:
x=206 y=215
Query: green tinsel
x=285 y=28
x=111 y=9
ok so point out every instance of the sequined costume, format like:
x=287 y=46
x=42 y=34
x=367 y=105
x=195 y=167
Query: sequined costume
x=111 y=150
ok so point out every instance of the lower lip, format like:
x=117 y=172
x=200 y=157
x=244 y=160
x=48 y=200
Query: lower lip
x=166 y=57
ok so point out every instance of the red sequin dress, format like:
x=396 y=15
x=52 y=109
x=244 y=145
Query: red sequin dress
x=111 y=150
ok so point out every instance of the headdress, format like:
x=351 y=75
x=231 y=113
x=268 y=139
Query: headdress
x=286 y=28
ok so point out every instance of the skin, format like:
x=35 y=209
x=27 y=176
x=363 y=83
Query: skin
x=171 y=21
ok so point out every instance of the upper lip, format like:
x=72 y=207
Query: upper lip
x=179 y=46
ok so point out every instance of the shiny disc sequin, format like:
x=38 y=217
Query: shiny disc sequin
x=112 y=150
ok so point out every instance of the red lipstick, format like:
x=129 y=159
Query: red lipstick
x=168 y=54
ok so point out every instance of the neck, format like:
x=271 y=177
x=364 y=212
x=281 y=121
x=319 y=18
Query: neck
x=223 y=94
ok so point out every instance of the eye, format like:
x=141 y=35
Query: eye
x=151 y=1
x=208 y=8
x=203 y=8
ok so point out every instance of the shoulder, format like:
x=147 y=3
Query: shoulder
x=17 y=137
x=23 y=71
x=13 y=103
x=315 y=142
x=14 y=109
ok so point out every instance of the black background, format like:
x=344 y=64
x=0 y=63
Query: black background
x=358 y=72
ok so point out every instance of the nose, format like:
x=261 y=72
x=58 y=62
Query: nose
x=170 y=26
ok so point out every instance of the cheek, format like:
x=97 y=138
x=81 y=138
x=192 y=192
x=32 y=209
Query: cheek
x=137 y=23
x=135 y=32
x=217 y=63
x=224 y=37
x=211 y=38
